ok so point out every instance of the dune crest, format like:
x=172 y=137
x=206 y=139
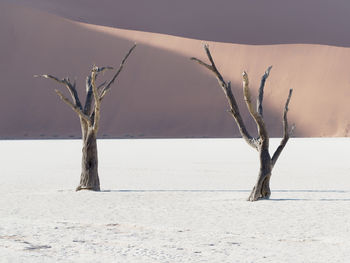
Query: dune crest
x=235 y=21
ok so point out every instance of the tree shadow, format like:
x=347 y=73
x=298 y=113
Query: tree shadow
x=312 y=199
x=171 y=190
x=313 y=191
x=224 y=190
x=315 y=200
x=241 y=191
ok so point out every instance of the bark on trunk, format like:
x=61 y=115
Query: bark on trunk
x=89 y=179
x=261 y=190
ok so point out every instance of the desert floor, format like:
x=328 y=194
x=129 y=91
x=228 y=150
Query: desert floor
x=179 y=200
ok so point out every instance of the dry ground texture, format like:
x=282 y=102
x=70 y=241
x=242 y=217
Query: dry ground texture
x=174 y=201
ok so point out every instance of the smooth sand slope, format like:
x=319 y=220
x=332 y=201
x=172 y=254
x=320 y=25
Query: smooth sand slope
x=161 y=93
x=234 y=21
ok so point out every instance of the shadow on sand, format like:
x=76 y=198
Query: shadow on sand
x=244 y=191
x=315 y=199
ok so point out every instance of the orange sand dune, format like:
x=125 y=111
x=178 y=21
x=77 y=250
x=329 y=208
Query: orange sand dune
x=160 y=93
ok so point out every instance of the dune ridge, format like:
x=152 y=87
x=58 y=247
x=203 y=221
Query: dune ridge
x=161 y=93
x=233 y=21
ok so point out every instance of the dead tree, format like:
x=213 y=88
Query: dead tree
x=89 y=117
x=261 y=189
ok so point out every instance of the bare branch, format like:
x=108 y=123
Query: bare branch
x=66 y=82
x=96 y=99
x=253 y=142
x=230 y=97
x=257 y=117
x=89 y=92
x=261 y=91
x=202 y=63
x=206 y=48
x=101 y=85
x=102 y=69
x=108 y=86
x=88 y=99
x=74 y=107
x=215 y=70
x=74 y=94
x=50 y=77
x=286 y=132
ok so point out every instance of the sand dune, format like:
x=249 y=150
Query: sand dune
x=161 y=93
x=234 y=21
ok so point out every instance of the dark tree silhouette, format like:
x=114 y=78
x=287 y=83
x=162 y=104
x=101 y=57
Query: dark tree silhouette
x=89 y=116
x=261 y=189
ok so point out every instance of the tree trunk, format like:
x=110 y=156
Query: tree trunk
x=89 y=179
x=89 y=116
x=261 y=189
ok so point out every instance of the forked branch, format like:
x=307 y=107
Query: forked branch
x=286 y=131
x=74 y=107
x=89 y=91
x=66 y=82
x=226 y=86
x=256 y=116
x=212 y=68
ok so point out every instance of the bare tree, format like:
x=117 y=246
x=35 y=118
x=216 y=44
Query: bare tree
x=261 y=189
x=89 y=117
